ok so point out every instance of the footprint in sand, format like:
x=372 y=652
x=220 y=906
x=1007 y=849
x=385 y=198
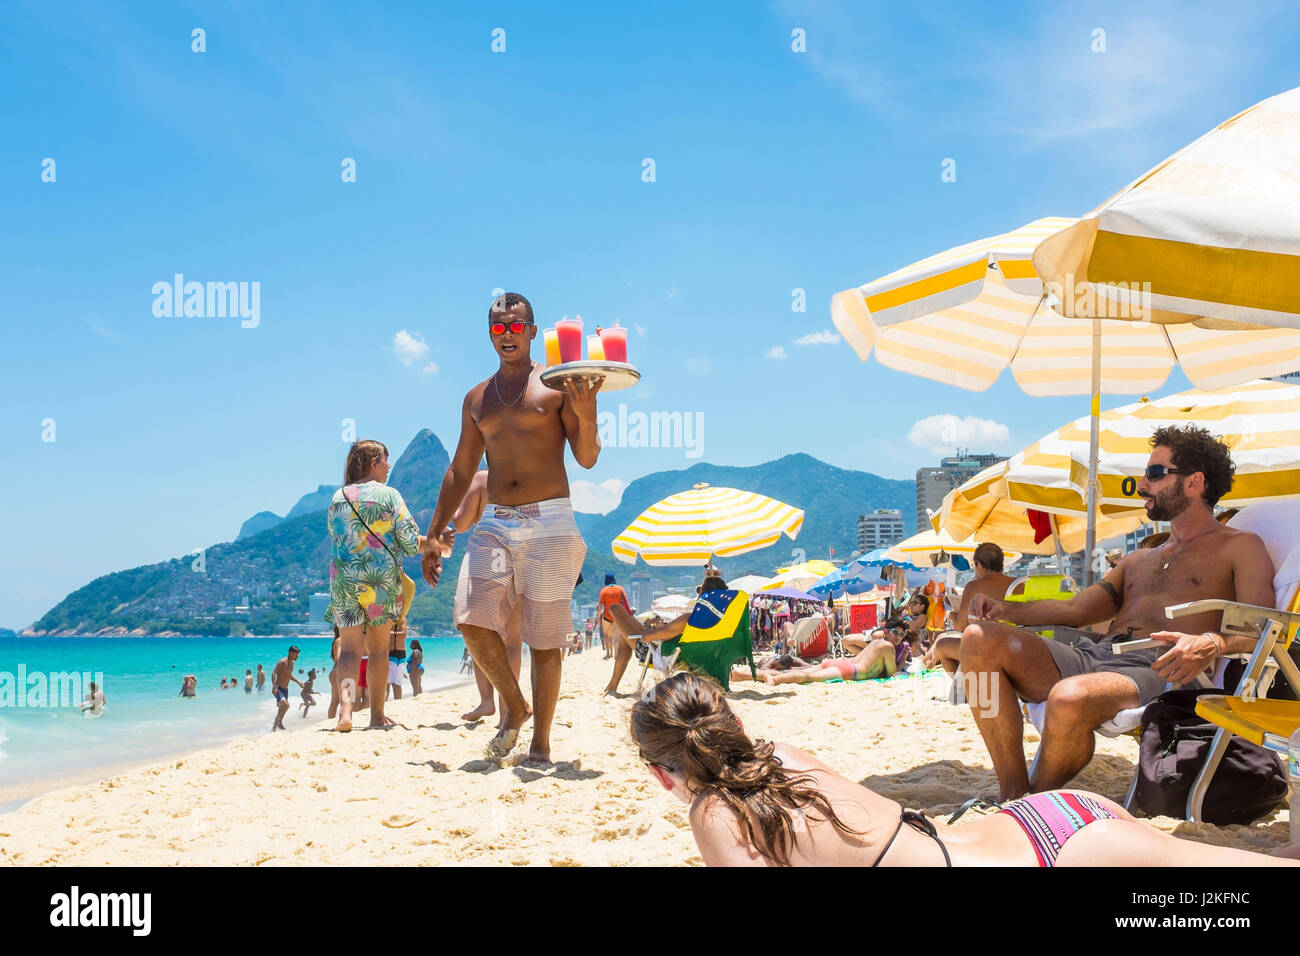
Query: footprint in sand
x=399 y=820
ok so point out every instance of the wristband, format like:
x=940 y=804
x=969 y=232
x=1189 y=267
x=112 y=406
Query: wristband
x=1219 y=642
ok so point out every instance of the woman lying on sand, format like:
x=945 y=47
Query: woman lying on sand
x=759 y=804
x=877 y=659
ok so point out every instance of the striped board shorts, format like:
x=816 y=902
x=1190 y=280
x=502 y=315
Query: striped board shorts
x=528 y=556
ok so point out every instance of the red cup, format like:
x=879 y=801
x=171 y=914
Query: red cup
x=615 y=342
x=569 y=332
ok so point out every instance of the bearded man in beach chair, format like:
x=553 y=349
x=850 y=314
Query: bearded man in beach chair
x=1088 y=683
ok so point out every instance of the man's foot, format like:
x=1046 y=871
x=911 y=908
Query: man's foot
x=484 y=709
x=499 y=747
x=383 y=723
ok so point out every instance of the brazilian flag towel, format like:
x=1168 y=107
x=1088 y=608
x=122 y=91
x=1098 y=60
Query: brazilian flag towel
x=716 y=636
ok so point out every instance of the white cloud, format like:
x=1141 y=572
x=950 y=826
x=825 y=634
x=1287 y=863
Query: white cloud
x=824 y=337
x=430 y=369
x=944 y=434
x=698 y=366
x=600 y=498
x=673 y=293
x=640 y=329
x=409 y=348
x=777 y=352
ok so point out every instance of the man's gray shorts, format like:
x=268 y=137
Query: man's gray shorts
x=1096 y=657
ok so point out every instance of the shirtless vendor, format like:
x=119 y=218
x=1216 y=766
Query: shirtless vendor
x=526 y=549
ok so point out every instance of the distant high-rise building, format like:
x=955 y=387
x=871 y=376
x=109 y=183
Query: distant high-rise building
x=640 y=591
x=932 y=484
x=880 y=529
x=316 y=606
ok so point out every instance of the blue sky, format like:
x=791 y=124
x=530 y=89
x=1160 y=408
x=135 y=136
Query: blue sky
x=476 y=170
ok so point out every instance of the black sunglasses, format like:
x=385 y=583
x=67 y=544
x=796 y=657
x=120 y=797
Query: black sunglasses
x=1156 y=472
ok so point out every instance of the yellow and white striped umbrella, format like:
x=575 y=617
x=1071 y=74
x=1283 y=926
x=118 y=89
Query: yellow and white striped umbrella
x=925 y=547
x=962 y=316
x=982 y=509
x=692 y=526
x=1214 y=230
x=1259 y=421
x=800 y=576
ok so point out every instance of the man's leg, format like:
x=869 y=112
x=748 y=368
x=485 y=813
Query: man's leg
x=544 y=668
x=1075 y=706
x=1001 y=662
x=486 y=705
x=489 y=653
x=623 y=627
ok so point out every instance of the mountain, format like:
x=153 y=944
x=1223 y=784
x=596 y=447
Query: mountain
x=275 y=570
x=318 y=500
x=832 y=499
x=259 y=522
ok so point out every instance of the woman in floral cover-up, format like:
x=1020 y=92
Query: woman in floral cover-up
x=365 y=581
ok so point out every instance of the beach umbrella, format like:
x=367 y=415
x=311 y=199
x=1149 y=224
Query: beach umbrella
x=799 y=576
x=673 y=604
x=936 y=548
x=1210 y=237
x=692 y=526
x=983 y=509
x=1258 y=421
x=749 y=583
x=962 y=316
x=1206 y=245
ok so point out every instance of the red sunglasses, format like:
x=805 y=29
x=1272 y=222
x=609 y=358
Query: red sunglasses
x=499 y=328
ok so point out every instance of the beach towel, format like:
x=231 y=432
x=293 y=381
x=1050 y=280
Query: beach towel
x=716 y=636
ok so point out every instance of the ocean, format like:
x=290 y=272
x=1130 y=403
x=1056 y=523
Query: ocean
x=46 y=742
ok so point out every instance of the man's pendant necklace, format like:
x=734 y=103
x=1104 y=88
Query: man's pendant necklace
x=497 y=387
x=1186 y=545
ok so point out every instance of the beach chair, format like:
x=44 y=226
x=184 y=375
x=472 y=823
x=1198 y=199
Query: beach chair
x=716 y=635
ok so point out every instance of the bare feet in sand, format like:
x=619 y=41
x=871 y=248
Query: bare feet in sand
x=384 y=724
x=499 y=747
x=484 y=709
x=345 y=712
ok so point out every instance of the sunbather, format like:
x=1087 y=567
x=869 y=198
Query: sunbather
x=762 y=804
x=625 y=631
x=877 y=659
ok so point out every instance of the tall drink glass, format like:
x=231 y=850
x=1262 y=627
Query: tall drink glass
x=569 y=332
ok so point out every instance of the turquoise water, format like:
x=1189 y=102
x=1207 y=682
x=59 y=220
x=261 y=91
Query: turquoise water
x=43 y=745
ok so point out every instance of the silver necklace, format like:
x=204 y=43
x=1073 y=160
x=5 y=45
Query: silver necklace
x=497 y=388
x=1186 y=545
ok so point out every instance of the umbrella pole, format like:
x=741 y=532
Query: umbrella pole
x=1060 y=551
x=1094 y=430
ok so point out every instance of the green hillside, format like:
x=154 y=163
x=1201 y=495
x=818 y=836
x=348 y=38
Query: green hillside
x=273 y=572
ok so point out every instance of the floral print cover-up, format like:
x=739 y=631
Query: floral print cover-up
x=365 y=584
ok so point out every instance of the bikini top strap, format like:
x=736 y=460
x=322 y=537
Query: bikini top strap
x=892 y=838
x=918 y=821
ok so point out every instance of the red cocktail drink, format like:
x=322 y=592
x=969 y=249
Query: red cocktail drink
x=570 y=335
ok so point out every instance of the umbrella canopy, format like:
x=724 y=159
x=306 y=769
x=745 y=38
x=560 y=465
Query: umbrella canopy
x=930 y=547
x=692 y=526
x=962 y=316
x=1215 y=232
x=671 y=604
x=1258 y=421
x=794 y=594
x=983 y=509
x=748 y=583
x=800 y=576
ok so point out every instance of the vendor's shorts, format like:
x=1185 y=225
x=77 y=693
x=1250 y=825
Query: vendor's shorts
x=525 y=555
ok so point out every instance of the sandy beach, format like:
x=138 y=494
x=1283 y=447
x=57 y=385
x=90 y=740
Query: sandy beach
x=422 y=794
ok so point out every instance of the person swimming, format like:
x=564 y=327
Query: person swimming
x=754 y=803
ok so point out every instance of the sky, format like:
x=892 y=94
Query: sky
x=506 y=146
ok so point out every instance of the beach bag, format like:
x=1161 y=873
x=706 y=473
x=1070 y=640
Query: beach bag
x=1249 y=783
